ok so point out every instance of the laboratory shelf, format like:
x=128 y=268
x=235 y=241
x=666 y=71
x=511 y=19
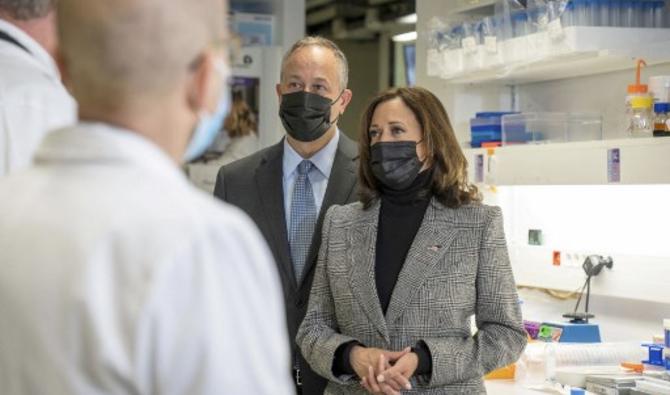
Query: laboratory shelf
x=560 y=52
x=602 y=162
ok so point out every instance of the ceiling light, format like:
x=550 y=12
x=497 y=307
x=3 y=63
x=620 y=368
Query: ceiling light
x=407 y=19
x=404 y=37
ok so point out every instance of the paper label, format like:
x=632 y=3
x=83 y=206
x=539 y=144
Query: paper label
x=469 y=44
x=613 y=165
x=433 y=63
x=479 y=168
x=491 y=44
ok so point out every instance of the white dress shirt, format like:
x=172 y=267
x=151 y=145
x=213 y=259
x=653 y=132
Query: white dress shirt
x=119 y=277
x=318 y=177
x=33 y=100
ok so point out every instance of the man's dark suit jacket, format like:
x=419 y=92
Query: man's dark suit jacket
x=255 y=185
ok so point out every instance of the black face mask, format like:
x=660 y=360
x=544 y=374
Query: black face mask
x=395 y=164
x=305 y=115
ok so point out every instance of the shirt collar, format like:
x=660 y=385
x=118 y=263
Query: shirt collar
x=37 y=52
x=89 y=142
x=322 y=160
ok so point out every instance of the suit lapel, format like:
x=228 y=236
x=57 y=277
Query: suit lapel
x=429 y=246
x=340 y=188
x=363 y=242
x=270 y=189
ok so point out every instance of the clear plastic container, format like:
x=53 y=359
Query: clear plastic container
x=628 y=13
x=568 y=15
x=648 y=7
x=641 y=119
x=520 y=24
x=582 y=12
x=551 y=127
x=615 y=13
x=603 y=13
x=659 y=14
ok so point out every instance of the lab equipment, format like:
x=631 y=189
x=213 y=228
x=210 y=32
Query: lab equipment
x=659 y=88
x=666 y=332
x=655 y=356
x=551 y=127
x=661 y=119
x=640 y=120
x=486 y=127
x=576 y=332
x=588 y=356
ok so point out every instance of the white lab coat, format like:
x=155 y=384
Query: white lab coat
x=33 y=100
x=119 y=277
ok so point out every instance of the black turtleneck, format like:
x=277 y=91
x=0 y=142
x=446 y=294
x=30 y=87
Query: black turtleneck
x=400 y=217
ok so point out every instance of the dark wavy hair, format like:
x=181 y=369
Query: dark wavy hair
x=450 y=184
x=26 y=9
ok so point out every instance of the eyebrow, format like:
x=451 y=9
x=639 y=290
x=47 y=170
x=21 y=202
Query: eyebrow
x=321 y=79
x=397 y=123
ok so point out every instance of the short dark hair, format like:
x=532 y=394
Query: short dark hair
x=24 y=10
x=450 y=183
x=323 y=43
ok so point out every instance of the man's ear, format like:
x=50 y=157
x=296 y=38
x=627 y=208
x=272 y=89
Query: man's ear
x=200 y=88
x=278 y=89
x=345 y=98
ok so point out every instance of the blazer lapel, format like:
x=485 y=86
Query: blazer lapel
x=340 y=187
x=429 y=246
x=270 y=189
x=363 y=242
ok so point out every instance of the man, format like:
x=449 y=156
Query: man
x=116 y=275
x=33 y=100
x=287 y=188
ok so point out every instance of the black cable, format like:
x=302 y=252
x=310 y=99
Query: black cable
x=581 y=293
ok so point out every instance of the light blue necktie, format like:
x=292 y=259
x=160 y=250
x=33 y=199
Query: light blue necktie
x=303 y=219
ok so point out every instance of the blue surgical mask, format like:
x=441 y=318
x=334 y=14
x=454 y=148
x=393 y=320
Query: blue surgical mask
x=209 y=125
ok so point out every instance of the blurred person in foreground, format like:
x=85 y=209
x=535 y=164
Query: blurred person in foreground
x=401 y=272
x=116 y=275
x=33 y=101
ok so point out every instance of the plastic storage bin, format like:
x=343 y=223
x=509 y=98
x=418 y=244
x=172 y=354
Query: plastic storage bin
x=551 y=127
x=486 y=127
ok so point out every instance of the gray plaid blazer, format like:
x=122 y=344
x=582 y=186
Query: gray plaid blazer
x=457 y=267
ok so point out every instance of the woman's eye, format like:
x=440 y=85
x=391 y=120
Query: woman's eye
x=373 y=133
x=397 y=131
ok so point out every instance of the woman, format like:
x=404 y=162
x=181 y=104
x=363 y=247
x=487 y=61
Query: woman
x=241 y=126
x=401 y=272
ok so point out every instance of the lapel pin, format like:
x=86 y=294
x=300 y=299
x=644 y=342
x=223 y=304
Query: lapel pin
x=435 y=248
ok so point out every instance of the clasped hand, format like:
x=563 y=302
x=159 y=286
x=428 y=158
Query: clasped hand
x=384 y=372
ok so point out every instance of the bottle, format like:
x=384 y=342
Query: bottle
x=637 y=89
x=640 y=120
x=661 y=119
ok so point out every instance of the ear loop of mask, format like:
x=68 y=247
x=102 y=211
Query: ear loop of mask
x=331 y=104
